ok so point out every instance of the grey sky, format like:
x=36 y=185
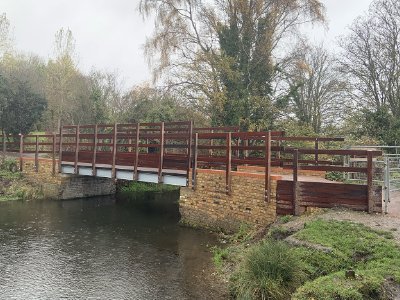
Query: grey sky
x=109 y=34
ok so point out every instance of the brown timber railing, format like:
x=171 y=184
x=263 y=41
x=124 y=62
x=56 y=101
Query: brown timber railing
x=180 y=149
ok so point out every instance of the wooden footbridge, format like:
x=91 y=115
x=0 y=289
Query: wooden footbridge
x=170 y=153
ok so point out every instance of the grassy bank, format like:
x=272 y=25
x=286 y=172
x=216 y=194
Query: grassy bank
x=324 y=260
x=13 y=185
x=141 y=187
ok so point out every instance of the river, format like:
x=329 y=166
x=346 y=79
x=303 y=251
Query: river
x=98 y=249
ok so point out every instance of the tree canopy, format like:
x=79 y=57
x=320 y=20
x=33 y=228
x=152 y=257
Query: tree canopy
x=220 y=53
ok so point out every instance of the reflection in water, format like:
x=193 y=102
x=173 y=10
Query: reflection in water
x=95 y=249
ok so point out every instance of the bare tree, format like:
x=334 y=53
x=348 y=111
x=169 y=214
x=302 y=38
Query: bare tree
x=316 y=92
x=5 y=34
x=371 y=57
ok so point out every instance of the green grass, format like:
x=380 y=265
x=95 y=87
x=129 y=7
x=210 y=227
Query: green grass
x=270 y=270
x=372 y=254
x=273 y=269
x=219 y=256
x=5 y=174
x=137 y=187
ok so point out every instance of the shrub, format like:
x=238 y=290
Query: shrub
x=269 y=271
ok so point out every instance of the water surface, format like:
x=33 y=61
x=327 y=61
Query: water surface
x=96 y=249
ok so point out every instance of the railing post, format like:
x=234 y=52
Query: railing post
x=94 y=158
x=228 y=162
x=114 y=152
x=316 y=151
x=60 y=150
x=77 y=132
x=54 y=154
x=21 y=152
x=387 y=183
x=37 y=154
x=160 y=167
x=189 y=152
x=370 y=172
x=137 y=151
x=4 y=144
x=194 y=167
x=296 y=204
x=267 y=191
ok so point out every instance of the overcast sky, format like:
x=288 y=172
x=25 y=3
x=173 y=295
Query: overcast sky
x=110 y=34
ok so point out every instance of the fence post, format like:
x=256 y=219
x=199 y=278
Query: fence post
x=54 y=154
x=21 y=152
x=228 y=162
x=387 y=183
x=4 y=144
x=60 y=151
x=267 y=190
x=194 y=167
x=77 y=132
x=114 y=151
x=37 y=154
x=296 y=203
x=137 y=151
x=370 y=172
x=160 y=168
x=189 y=152
x=316 y=151
x=94 y=158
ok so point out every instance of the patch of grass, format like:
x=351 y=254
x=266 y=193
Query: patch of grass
x=242 y=235
x=137 y=187
x=285 y=219
x=273 y=269
x=279 y=233
x=372 y=254
x=5 y=174
x=270 y=270
x=219 y=256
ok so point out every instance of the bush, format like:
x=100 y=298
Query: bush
x=7 y=164
x=269 y=271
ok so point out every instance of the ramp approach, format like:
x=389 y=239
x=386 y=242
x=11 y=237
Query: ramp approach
x=172 y=152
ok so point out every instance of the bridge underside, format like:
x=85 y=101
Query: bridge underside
x=168 y=176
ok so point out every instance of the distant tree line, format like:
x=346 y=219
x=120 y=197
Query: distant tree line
x=228 y=62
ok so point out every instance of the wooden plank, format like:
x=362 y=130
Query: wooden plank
x=194 y=168
x=370 y=173
x=137 y=151
x=77 y=132
x=334 y=152
x=308 y=139
x=54 y=154
x=228 y=175
x=37 y=154
x=4 y=143
x=21 y=152
x=114 y=150
x=95 y=141
x=295 y=183
x=189 y=152
x=60 y=158
x=161 y=161
x=267 y=189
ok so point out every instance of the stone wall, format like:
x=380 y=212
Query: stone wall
x=282 y=171
x=210 y=206
x=65 y=187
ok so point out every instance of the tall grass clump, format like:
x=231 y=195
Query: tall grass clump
x=269 y=270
